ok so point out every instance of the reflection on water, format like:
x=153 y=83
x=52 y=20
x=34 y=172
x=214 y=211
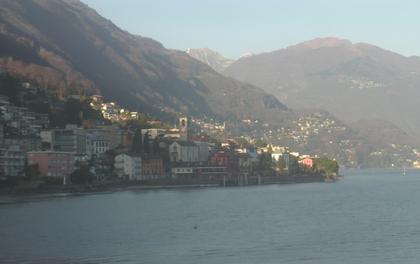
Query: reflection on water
x=370 y=217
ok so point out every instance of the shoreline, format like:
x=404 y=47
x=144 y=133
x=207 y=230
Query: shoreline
x=77 y=190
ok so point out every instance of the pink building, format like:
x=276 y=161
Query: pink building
x=308 y=162
x=52 y=163
x=219 y=159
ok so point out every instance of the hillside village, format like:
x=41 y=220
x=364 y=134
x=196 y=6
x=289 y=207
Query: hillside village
x=86 y=140
x=318 y=134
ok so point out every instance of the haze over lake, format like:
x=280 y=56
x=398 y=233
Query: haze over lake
x=369 y=217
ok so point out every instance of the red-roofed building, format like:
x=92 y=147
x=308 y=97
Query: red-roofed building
x=308 y=162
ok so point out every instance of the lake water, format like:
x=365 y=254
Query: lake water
x=369 y=217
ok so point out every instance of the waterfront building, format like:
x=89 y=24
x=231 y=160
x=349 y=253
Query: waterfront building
x=56 y=164
x=183 y=152
x=252 y=153
x=72 y=139
x=220 y=158
x=244 y=162
x=182 y=172
x=128 y=166
x=99 y=146
x=203 y=151
x=203 y=173
x=308 y=162
x=210 y=172
x=12 y=161
x=152 y=168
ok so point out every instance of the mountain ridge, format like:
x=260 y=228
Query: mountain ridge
x=334 y=74
x=210 y=57
x=69 y=47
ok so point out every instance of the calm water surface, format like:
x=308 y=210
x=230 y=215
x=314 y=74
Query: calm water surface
x=370 y=217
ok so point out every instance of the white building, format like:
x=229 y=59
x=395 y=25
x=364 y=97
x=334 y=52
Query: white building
x=128 y=167
x=179 y=172
x=296 y=154
x=183 y=151
x=46 y=136
x=112 y=133
x=99 y=146
x=277 y=153
x=203 y=151
x=276 y=156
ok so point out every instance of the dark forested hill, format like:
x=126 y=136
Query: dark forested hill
x=68 y=47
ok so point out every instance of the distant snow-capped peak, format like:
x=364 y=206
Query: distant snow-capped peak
x=210 y=57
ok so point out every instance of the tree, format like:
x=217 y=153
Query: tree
x=280 y=164
x=72 y=112
x=326 y=165
x=306 y=169
x=82 y=175
x=11 y=87
x=76 y=111
x=293 y=164
x=139 y=123
x=265 y=162
x=259 y=143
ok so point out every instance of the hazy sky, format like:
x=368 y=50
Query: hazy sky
x=234 y=27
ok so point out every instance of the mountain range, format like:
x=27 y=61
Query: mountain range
x=69 y=48
x=210 y=57
x=352 y=80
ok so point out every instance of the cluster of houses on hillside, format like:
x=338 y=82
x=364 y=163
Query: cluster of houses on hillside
x=26 y=140
x=111 y=110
